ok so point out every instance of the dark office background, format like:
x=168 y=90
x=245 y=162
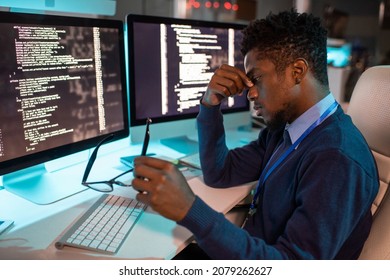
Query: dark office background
x=357 y=22
x=363 y=29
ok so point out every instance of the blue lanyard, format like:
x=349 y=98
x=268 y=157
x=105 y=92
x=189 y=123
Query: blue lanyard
x=252 y=208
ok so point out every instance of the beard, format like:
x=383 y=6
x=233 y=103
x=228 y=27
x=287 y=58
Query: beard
x=279 y=119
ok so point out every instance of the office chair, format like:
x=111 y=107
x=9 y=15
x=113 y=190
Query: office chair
x=369 y=109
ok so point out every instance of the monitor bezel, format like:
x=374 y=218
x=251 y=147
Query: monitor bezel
x=12 y=165
x=130 y=20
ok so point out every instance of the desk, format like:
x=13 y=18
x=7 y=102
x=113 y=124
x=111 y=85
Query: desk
x=38 y=227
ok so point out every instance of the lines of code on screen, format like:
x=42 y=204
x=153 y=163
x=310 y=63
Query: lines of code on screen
x=58 y=85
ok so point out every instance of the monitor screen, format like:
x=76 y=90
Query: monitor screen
x=62 y=87
x=171 y=62
x=339 y=56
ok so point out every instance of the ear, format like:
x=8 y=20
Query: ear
x=300 y=68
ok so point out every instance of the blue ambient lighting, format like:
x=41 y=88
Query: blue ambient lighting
x=339 y=56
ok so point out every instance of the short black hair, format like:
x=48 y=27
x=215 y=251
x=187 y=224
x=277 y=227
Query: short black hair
x=286 y=36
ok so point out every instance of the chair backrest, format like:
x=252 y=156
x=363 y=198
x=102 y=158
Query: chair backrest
x=369 y=109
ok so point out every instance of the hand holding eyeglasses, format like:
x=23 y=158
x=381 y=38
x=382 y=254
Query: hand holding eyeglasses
x=165 y=189
x=159 y=183
x=108 y=186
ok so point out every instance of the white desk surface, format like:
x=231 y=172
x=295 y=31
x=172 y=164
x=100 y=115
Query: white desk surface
x=37 y=227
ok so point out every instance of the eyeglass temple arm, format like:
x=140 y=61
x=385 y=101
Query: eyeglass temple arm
x=146 y=139
x=93 y=157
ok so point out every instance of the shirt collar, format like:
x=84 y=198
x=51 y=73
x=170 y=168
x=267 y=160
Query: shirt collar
x=299 y=126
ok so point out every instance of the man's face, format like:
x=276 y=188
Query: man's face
x=272 y=93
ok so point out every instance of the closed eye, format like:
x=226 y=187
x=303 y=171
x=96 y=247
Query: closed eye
x=256 y=79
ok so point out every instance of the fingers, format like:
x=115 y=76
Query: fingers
x=143 y=197
x=146 y=169
x=227 y=81
x=162 y=186
x=232 y=72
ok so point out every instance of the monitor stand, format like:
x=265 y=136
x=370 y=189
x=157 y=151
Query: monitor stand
x=39 y=186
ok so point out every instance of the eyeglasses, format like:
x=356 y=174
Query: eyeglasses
x=108 y=186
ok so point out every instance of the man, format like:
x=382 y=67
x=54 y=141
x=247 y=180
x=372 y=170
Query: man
x=317 y=177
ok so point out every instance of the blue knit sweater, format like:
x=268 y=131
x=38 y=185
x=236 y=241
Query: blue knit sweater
x=315 y=205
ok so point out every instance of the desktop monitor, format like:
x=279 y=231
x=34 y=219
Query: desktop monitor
x=62 y=90
x=339 y=55
x=170 y=64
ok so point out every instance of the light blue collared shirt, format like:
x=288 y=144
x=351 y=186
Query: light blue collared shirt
x=304 y=121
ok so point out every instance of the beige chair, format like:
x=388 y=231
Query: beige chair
x=369 y=109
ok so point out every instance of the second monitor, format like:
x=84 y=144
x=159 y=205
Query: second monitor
x=170 y=63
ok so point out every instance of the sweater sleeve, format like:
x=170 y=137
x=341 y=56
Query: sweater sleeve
x=222 y=167
x=221 y=239
x=316 y=207
x=329 y=208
